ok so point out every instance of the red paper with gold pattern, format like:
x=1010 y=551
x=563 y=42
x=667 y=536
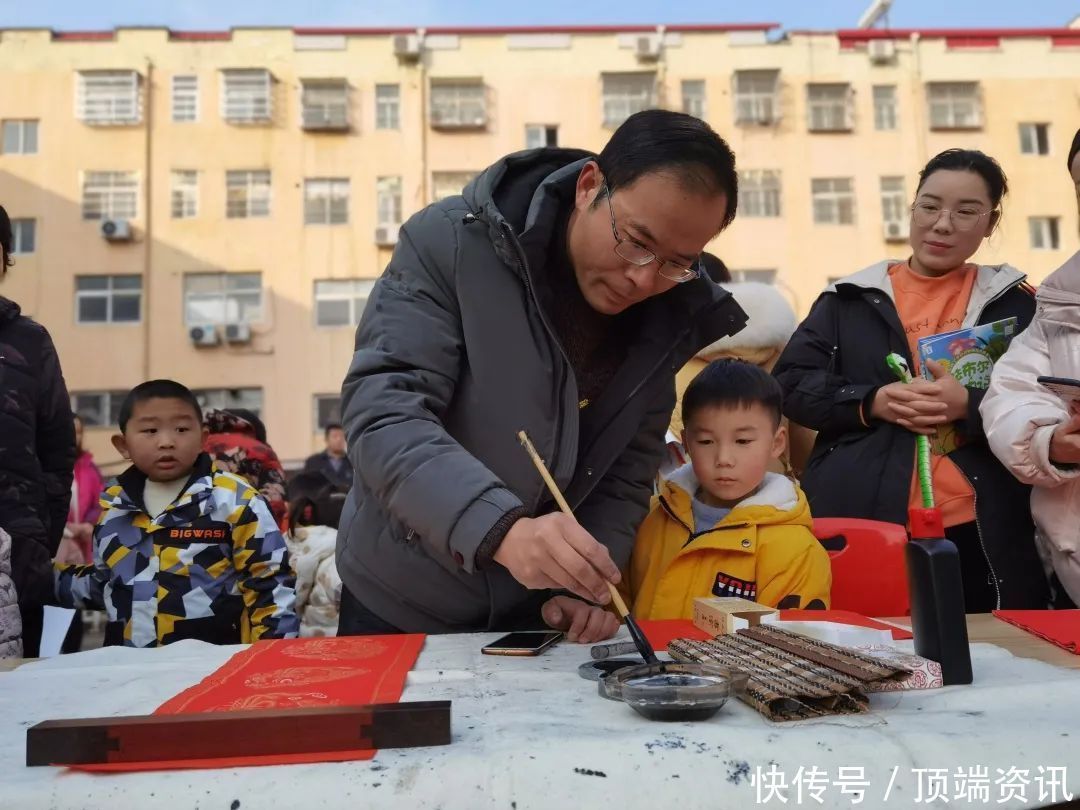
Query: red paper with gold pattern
x=299 y=673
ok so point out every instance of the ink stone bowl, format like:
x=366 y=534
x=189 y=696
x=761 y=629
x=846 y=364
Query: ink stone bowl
x=674 y=691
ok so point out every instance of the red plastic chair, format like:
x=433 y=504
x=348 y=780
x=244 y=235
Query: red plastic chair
x=868 y=567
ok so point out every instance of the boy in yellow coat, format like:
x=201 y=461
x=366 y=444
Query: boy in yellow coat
x=723 y=525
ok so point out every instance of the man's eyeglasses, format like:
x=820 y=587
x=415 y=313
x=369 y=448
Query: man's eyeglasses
x=926 y=215
x=640 y=255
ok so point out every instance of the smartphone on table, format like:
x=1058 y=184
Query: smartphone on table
x=1066 y=388
x=526 y=642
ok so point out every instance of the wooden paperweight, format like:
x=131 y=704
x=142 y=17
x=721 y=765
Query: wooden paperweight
x=716 y=615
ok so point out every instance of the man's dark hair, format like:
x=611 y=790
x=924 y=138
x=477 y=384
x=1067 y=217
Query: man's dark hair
x=252 y=419
x=157 y=389
x=969 y=160
x=7 y=240
x=715 y=268
x=665 y=141
x=332 y=426
x=733 y=383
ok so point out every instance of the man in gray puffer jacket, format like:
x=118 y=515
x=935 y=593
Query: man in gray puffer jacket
x=558 y=294
x=10 y=621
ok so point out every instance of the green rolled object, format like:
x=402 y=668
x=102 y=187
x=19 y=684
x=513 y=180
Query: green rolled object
x=900 y=368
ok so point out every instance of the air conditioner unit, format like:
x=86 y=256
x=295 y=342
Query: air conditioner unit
x=648 y=48
x=237 y=333
x=204 y=335
x=116 y=230
x=407 y=47
x=881 y=51
x=386 y=235
x=895 y=231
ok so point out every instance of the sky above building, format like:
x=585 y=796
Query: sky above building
x=790 y=14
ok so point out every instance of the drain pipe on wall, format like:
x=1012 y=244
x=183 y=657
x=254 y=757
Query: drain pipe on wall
x=148 y=208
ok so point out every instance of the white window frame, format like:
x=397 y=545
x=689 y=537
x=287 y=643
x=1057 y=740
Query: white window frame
x=540 y=135
x=247 y=397
x=623 y=94
x=954 y=105
x=353 y=293
x=388 y=201
x=239 y=304
x=324 y=104
x=247 y=96
x=21 y=244
x=326 y=201
x=105 y=413
x=459 y=104
x=894 y=201
x=109 y=195
x=110 y=293
x=184 y=193
x=1034 y=138
x=16 y=140
x=828 y=107
x=760 y=193
x=757 y=96
x=828 y=195
x=693 y=97
x=185 y=98
x=886 y=117
x=388 y=106
x=1044 y=233
x=108 y=97
x=761 y=275
x=247 y=193
x=317 y=400
x=443 y=182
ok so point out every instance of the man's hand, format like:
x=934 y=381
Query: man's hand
x=1065 y=443
x=915 y=406
x=553 y=551
x=583 y=623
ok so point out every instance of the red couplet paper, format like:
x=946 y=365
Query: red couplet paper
x=1060 y=627
x=293 y=673
x=660 y=632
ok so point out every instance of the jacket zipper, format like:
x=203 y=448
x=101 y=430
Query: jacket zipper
x=982 y=543
x=692 y=534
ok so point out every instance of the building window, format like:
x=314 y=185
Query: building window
x=828 y=107
x=324 y=104
x=108 y=299
x=625 y=94
x=20 y=137
x=246 y=96
x=761 y=276
x=341 y=303
x=1045 y=233
x=458 y=104
x=1035 y=139
x=327 y=411
x=757 y=96
x=449 y=184
x=895 y=215
x=954 y=105
x=24 y=236
x=326 y=201
x=387 y=106
x=759 y=193
x=185 y=99
x=693 y=97
x=222 y=298
x=98 y=408
x=219 y=399
x=247 y=194
x=884 y=107
x=833 y=200
x=537 y=135
x=184 y=194
x=108 y=97
x=110 y=195
x=388 y=201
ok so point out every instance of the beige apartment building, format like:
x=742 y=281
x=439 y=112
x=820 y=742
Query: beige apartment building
x=214 y=207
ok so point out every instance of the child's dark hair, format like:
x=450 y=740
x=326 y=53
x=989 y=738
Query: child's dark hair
x=7 y=241
x=732 y=383
x=314 y=500
x=157 y=389
x=969 y=160
x=252 y=419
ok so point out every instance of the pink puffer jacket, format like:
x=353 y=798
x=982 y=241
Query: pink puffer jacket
x=1020 y=416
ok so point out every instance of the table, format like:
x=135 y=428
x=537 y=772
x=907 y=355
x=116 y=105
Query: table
x=529 y=733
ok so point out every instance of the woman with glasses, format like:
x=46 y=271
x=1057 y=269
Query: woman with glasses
x=836 y=381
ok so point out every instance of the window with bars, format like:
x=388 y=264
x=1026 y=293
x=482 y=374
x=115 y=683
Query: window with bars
x=250 y=399
x=324 y=104
x=341 y=303
x=247 y=194
x=1035 y=139
x=326 y=201
x=828 y=107
x=761 y=275
x=388 y=201
x=757 y=96
x=894 y=204
x=98 y=408
x=693 y=97
x=954 y=105
x=108 y=97
x=759 y=193
x=110 y=195
x=247 y=96
x=833 y=200
x=222 y=298
x=387 y=106
x=20 y=137
x=185 y=99
x=448 y=184
x=1045 y=233
x=625 y=94
x=538 y=135
x=327 y=410
x=884 y=107
x=24 y=236
x=108 y=299
x=458 y=104
x=184 y=194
